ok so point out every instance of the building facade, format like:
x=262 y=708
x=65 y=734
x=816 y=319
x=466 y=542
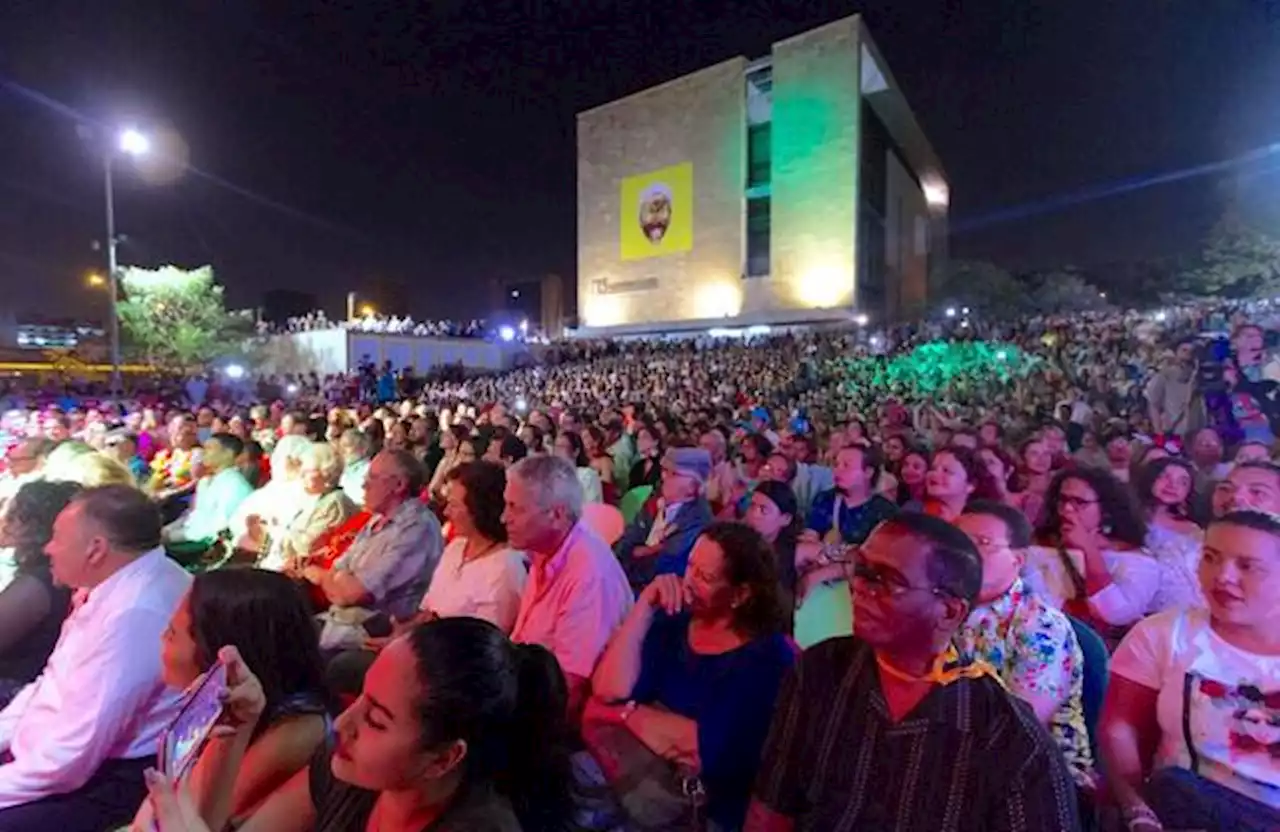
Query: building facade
x=794 y=188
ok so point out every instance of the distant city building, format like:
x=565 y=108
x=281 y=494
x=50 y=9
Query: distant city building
x=55 y=335
x=794 y=188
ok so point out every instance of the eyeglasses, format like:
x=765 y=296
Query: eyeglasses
x=1077 y=503
x=881 y=582
x=984 y=542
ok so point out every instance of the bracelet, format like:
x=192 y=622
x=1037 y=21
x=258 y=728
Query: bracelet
x=627 y=710
x=1139 y=812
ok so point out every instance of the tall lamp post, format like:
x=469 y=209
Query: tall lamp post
x=131 y=143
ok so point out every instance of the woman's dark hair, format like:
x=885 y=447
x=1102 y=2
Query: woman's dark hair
x=579 y=450
x=1119 y=511
x=749 y=561
x=904 y=491
x=784 y=548
x=1146 y=480
x=377 y=433
x=28 y=520
x=1006 y=459
x=508 y=703
x=984 y=485
x=265 y=616
x=460 y=432
x=597 y=436
x=762 y=444
x=484 y=482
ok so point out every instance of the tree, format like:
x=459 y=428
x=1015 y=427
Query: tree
x=1237 y=260
x=177 y=318
x=982 y=286
x=1062 y=291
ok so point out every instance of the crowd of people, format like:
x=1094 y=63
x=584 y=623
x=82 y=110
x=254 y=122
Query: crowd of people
x=954 y=575
x=383 y=324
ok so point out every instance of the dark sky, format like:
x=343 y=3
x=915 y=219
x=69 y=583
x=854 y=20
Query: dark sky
x=436 y=146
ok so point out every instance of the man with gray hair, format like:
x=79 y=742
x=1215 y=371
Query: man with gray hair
x=660 y=538
x=357 y=453
x=577 y=594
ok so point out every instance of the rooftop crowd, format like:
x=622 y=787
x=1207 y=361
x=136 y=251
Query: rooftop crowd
x=954 y=575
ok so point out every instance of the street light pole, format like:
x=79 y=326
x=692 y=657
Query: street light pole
x=113 y=277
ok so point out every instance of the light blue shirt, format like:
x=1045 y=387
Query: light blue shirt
x=216 y=500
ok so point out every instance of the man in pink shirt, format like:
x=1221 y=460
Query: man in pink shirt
x=577 y=594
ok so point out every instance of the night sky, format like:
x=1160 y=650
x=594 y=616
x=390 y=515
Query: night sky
x=436 y=148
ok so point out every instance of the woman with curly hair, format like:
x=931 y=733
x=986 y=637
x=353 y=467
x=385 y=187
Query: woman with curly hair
x=1090 y=561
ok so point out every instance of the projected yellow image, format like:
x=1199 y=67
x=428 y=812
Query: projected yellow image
x=657 y=212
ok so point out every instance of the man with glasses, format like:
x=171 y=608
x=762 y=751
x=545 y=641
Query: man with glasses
x=891 y=729
x=1031 y=646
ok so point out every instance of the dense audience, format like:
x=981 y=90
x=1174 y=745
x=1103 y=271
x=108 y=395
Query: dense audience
x=954 y=575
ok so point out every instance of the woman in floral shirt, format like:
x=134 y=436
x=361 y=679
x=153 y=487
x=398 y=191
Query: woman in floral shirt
x=1031 y=645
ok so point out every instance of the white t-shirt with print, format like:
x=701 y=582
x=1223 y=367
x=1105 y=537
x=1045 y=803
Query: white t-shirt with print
x=1224 y=700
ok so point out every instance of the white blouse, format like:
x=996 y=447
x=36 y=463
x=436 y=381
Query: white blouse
x=1179 y=558
x=1135 y=580
x=488 y=587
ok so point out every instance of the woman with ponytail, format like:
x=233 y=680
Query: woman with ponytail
x=457 y=730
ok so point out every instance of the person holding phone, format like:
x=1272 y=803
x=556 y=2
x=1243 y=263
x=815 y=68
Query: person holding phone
x=264 y=616
x=456 y=729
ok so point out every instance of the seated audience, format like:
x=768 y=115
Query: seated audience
x=389 y=564
x=577 y=594
x=265 y=618
x=265 y=511
x=1164 y=489
x=1187 y=732
x=323 y=506
x=357 y=453
x=890 y=729
x=1090 y=562
x=774 y=514
x=1031 y=645
x=958 y=475
x=457 y=729
x=218 y=494
x=1249 y=485
x=122 y=446
x=848 y=512
x=570 y=446
x=32 y=606
x=658 y=541
x=692 y=675
x=75 y=742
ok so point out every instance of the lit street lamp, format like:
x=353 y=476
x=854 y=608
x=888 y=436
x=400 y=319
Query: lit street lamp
x=131 y=143
x=94 y=280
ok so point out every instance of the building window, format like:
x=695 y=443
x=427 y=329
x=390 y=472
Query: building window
x=758 y=237
x=758 y=155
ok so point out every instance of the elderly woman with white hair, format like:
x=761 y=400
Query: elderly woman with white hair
x=265 y=511
x=322 y=506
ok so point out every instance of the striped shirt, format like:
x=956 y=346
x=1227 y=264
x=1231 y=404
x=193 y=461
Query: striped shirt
x=968 y=758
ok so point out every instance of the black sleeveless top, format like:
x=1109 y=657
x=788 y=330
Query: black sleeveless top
x=24 y=661
x=343 y=808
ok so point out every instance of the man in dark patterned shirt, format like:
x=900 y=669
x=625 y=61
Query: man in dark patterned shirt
x=887 y=731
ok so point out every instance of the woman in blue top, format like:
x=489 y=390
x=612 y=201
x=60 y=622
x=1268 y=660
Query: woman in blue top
x=696 y=667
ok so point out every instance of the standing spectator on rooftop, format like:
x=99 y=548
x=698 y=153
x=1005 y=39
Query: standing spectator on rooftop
x=79 y=738
x=577 y=594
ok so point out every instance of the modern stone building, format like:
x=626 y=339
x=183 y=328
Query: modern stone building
x=798 y=187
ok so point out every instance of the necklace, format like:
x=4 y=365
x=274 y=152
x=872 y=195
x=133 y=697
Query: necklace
x=946 y=669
